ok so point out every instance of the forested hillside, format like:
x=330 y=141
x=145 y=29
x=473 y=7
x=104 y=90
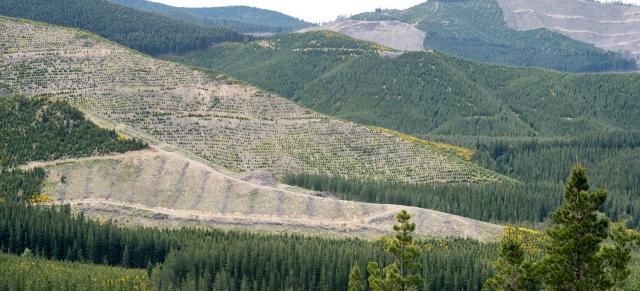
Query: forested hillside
x=530 y=124
x=36 y=129
x=143 y=31
x=476 y=29
x=429 y=92
x=239 y=18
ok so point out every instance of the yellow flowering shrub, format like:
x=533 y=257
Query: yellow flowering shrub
x=17 y=273
x=121 y=138
x=39 y=198
x=461 y=152
x=532 y=240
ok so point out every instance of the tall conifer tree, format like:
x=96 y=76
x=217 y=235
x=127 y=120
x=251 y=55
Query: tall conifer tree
x=573 y=260
x=355 y=279
x=404 y=273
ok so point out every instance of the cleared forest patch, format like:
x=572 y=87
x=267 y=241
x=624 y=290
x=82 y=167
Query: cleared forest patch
x=155 y=187
x=390 y=33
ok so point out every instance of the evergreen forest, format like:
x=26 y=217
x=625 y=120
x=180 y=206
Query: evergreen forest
x=143 y=31
x=238 y=18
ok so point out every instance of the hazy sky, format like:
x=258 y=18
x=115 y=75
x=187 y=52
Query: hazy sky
x=309 y=10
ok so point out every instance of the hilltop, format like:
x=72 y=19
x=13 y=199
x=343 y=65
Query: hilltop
x=476 y=29
x=392 y=33
x=229 y=124
x=239 y=18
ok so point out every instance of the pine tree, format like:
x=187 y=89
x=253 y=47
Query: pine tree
x=404 y=273
x=125 y=257
x=618 y=255
x=513 y=270
x=355 y=279
x=572 y=261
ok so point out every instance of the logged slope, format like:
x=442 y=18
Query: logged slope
x=475 y=29
x=613 y=27
x=428 y=92
x=229 y=124
x=164 y=188
x=239 y=18
x=147 y=32
x=393 y=34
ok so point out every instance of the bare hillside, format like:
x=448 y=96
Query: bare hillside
x=231 y=125
x=162 y=188
x=394 y=34
x=609 y=26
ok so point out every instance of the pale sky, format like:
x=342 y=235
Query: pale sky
x=311 y=10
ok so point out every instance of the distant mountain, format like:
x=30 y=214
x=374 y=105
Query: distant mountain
x=475 y=29
x=239 y=18
x=610 y=26
x=150 y=33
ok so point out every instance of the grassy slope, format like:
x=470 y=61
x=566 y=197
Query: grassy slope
x=475 y=29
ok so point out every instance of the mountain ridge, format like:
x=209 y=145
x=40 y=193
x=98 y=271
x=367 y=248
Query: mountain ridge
x=241 y=18
x=150 y=33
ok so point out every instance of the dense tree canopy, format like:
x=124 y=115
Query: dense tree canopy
x=36 y=129
x=147 y=32
x=238 y=18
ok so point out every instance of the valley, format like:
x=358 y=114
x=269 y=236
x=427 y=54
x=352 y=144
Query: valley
x=452 y=145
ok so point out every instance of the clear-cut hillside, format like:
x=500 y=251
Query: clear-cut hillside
x=231 y=125
x=155 y=187
x=394 y=34
x=613 y=27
